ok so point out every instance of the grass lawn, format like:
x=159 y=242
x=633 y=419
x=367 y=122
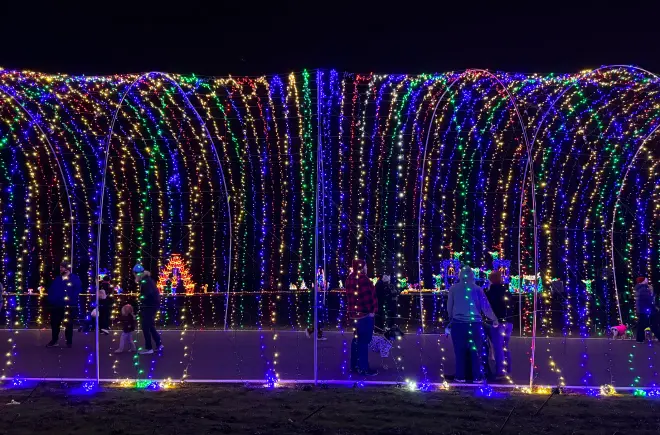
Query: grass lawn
x=196 y=409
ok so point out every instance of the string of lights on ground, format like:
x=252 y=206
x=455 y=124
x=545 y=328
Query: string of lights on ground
x=234 y=191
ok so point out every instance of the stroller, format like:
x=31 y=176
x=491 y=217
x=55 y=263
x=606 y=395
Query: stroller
x=88 y=324
x=383 y=341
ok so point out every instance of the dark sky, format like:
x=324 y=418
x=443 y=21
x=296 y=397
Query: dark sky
x=404 y=36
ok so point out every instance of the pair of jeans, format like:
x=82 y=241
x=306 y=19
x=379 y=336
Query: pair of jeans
x=148 y=322
x=467 y=339
x=364 y=332
x=57 y=316
x=499 y=339
x=647 y=321
x=126 y=342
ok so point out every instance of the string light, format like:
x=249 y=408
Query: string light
x=164 y=183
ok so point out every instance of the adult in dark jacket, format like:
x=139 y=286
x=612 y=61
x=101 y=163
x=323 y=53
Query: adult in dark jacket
x=105 y=304
x=387 y=295
x=63 y=304
x=149 y=304
x=646 y=310
x=500 y=336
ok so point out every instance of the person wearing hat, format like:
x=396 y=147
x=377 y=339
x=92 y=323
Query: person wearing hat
x=361 y=306
x=645 y=306
x=387 y=295
x=466 y=303
x=149 y=304
x=63 y=303
x=499 y=337
x=105 y=304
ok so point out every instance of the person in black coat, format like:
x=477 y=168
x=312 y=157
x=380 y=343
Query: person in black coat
x=388 y=295
x=499 y=336
x=105 y=304
x=149 y=304
x=63 y=304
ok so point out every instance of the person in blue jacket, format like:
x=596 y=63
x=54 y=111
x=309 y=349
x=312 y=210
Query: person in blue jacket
x=63 y=304
x=149 y=304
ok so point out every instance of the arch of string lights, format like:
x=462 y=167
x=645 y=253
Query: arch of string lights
x=258 y=182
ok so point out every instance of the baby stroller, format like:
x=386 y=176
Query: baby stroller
x=382 y=342
x=89 y=322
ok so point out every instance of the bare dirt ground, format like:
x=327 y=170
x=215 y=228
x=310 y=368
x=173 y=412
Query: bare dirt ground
x=242 y=410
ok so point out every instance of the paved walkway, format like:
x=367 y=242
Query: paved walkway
x=247 y=355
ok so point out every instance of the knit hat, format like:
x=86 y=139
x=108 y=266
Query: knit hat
x=358 y=265
x=495 y=276
x=138 y=268
x=466 y=275
x=66 y=264
x=642 y=280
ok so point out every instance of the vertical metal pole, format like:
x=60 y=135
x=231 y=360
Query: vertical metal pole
x=316 y=227
x=536 y=270
x=520 y=280
x=227 y=297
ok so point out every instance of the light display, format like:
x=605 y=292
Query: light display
x=547 y=178
x=175 y=274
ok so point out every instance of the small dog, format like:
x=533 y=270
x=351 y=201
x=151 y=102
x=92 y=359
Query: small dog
x=619 y=331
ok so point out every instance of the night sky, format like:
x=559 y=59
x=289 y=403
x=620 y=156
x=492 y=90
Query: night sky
x=255 y=39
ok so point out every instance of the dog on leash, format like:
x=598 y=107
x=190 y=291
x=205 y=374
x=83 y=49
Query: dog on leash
x=619 y=331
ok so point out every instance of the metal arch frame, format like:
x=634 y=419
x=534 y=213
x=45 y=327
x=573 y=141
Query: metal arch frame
x=513 y=102
x=616 y=206
x=428 y=135
x=616 y=202
x=103 y=184
x=59 y=165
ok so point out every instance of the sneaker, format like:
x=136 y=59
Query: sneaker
x=146 y=352
x=459 y=381
x=322 y=338
x=119 y=351
x=105 y=332
x=370 y=372
x=51 y=344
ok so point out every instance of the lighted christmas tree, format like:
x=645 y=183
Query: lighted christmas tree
x=176 y=270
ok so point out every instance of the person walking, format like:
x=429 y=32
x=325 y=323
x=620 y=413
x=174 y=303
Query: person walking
x=645 y=306
x=466 y=303
x=499 y=336
x=149 y=304
x=361 y=307
x=63 y=304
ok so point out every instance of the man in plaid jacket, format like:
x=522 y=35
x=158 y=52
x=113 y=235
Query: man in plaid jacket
x=362 y=306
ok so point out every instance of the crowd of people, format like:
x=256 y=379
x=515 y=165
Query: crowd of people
x=466 y=304
x=478 y=318
x=478 y=322
x=62 y=301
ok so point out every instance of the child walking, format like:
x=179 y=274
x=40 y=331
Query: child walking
x=127 y=320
